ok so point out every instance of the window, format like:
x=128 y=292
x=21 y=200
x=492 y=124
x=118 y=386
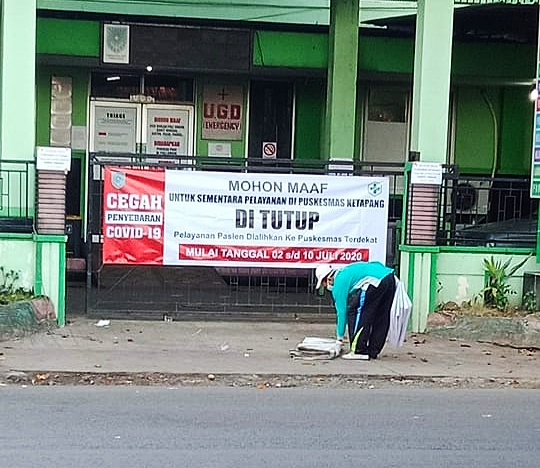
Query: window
x=387 y=105
x=168 y=88
x=115 y=85
x=162 y=88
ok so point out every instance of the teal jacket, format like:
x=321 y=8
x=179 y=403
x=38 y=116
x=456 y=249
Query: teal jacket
x=345 y=281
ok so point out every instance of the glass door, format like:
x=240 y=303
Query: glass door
x=270 y=120
x=115 y=127
x=168 y=132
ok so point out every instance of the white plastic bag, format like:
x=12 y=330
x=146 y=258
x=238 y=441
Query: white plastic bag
x=399 y=315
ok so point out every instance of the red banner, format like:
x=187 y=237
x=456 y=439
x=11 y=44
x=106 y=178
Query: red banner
x=133 y=213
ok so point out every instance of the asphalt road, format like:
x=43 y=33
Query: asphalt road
x=227 y=427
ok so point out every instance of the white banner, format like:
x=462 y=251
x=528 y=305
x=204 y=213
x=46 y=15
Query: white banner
x=273 y=220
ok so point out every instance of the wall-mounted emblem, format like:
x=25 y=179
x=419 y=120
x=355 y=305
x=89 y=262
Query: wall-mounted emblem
x=115 y=43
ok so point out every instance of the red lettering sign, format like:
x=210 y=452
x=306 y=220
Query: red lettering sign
x=133 y=202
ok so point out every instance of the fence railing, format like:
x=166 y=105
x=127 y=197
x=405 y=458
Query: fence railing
x=394 y=172
x=472 y=210
x=17 y=196
x=180 y=292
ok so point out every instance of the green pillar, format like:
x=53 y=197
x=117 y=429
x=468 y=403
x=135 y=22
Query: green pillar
x=429 y=136
x=431 y=88
x=342 y=72
x=17 y=79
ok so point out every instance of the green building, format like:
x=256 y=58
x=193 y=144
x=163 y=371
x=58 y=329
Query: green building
x=372 y=87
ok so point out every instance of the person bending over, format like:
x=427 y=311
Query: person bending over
x=363 y=293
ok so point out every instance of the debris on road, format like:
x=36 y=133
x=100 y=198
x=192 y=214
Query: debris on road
x=256 y=380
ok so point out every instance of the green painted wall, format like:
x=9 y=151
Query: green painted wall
x=437 y=275
x=17 y=83
x=51 y=267
x=515 y=132
x=476 y=147
x=475 y=130
x=290 y=49
x=492 y=60
x=17 y=253
x=43 y=105
x=275 y=48
x=458 y=284
x=309 y=118
x=281 y=49
x=475 y=142
x=68 y=37
x=479 y=63
x=385 y=54
x=40 y=262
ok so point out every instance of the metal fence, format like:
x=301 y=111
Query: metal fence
x=187 y=292
x=17 y=193
x=469 y=210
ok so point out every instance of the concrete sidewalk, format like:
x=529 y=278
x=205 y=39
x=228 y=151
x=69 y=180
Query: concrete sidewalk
x=246 y=348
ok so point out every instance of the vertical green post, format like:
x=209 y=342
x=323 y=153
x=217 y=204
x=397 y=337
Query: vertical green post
x=429 y=131
x=17 y=79
x=433 y=282
x=61 y=315
x=50 y=271
x=38 y=282
x=342 y=73
x=431 y=86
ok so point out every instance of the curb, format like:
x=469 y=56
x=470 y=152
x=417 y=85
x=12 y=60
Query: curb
x=260 y=381
x=522 y=332
x=22 y=318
